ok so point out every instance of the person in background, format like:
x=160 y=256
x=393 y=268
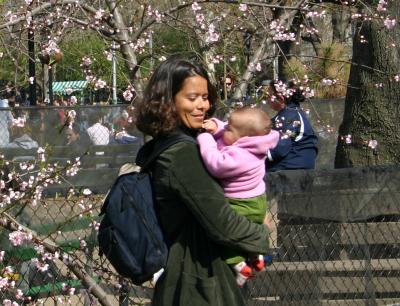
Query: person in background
x=76 y=141
x=226 y=88
x=297 y=147
x=234 y=152
x=22 y=139
x=6 y=120
x=97 y=132
x=196 y=219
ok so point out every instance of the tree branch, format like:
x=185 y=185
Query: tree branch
x=9 y=223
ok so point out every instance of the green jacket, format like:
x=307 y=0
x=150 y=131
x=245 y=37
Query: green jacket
x=196 y=221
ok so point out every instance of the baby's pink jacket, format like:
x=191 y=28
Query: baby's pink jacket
x=240 y=167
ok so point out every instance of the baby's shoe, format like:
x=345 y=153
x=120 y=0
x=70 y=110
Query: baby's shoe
x=243 y=273
x=257 y=262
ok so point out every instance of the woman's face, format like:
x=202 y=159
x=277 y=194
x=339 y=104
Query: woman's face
x=192 y=103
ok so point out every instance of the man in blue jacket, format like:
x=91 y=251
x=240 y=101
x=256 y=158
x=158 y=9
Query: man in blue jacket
x=297 y=147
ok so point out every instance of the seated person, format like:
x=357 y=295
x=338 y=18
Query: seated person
x=77 y=141
x=297 y=146
x=98 y=133
x=6 y=120
x=123 y=137
x=21 y=139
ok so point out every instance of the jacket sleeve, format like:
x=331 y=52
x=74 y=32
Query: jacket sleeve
x=289 y=124
x=204 y=198
x=281 y=150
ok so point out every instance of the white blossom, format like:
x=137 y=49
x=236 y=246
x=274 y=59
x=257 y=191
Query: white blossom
x=243 y=7
x=372 y=144
x=196 y=7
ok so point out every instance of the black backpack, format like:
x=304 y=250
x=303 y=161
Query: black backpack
x=129 y=233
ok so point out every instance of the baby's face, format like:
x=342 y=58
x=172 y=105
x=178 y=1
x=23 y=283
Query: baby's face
x=232 y=131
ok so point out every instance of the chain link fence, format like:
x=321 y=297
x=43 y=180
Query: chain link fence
x=335 y=238
x=335 y=242
x=75 y=127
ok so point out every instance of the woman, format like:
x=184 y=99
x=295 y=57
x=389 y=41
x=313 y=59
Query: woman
x=297 y=147
x=193 y=213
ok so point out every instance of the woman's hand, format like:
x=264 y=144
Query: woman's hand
x=210 y=126
x=268 y=222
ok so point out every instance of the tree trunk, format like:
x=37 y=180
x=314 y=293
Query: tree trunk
x=371 y=107
x=123 y=37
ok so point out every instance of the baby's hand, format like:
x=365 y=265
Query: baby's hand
x=210 y=126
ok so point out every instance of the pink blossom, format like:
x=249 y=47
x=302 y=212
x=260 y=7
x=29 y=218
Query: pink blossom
x=31 y=80
x=41 y=266
x=200 y=18
x=321 y=14
x=212 y=36
x=389 y=23
x=100 y=84
x=196 y=7
x=95 y=225
x=8 y=302
x=19 y=122
x=86 y=192
x=328 y=82
x=11 y=17
x=108 y=55
x=71 y=114
x=19 y=237
x=381 y=6
x=128 y=95
x=99 y=14
x=41 y=155
x=158 y=16
x=50 y=48
x=83 y=244
x=64 y=286
x=19 y=294
x=73 y=170
x=86 y=61
x=243 y=7
x=372 y=144
x=217 y=59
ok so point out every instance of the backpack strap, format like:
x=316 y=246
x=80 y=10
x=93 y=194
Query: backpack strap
x=156 y=146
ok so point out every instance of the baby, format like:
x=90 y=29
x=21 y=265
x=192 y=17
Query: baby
x=235 y=152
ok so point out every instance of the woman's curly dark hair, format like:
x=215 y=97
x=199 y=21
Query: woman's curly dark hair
x=156 y=113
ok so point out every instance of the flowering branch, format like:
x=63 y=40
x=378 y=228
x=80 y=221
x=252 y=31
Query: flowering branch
x=9 y=223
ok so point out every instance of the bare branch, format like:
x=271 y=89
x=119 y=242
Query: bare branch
x=241 y=89
x=38 y=10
